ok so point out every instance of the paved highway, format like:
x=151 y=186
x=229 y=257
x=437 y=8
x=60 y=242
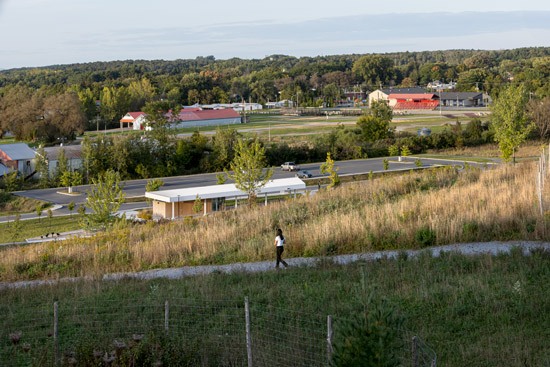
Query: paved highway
x=136 y=188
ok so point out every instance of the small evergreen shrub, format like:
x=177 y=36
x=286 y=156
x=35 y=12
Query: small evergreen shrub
x=425 y=237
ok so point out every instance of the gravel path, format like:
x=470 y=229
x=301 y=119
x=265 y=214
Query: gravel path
x=492 y=248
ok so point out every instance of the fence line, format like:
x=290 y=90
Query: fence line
x=176 y=332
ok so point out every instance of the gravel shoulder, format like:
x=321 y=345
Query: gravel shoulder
x=492 y=248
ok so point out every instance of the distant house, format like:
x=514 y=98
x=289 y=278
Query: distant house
x=73 y=153
x=383 y=94
x=280 y=104
x=18 y=157
x=439 y=86
x=354 y=96
x=239 y=107
x=131 y=119
x=463 y=99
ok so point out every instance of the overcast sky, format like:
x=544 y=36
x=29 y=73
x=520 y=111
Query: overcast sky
x=47 y=32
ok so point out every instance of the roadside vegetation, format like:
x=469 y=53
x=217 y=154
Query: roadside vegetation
x=11 y=204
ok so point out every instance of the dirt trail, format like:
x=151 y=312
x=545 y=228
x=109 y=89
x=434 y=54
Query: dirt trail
x=492 y=248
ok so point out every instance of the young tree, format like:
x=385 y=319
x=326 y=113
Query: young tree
x=50 y=216
x=69 y=179
x=370 y=338
x=328 y=167
x=104 y=199
x=65 y=180
x=42 y=168
x=220 y=178
x=197 y=205
x=248 y=168
x=154 y=184
x=509 y=120
x=15 y=227
x=223 y=144
x=12 y=181
x=38 y=211
x=71 y=207
x=62 y=167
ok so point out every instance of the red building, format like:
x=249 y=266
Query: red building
x=413 y=101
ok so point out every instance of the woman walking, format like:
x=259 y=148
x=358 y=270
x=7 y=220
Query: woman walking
x=279 y=244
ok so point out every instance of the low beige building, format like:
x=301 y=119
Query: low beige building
x=171 y=204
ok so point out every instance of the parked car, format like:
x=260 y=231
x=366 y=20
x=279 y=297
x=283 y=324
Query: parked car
x=290 y=166
x=303 y=174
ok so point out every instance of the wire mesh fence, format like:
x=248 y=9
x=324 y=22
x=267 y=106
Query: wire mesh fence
x=177 y=332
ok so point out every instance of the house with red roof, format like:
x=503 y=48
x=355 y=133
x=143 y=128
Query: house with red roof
x=131 y=119
x=187 y=117
x=194 y=117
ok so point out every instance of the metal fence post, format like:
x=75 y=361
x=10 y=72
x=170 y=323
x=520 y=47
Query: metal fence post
x=248 y=336
x=539 y=187
x=329 y=339
x=415 y=351
x=56 y=333
x=166 y=316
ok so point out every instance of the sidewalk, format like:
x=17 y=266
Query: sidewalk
x=492 y=248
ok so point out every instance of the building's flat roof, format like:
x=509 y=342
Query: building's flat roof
x=282 y=186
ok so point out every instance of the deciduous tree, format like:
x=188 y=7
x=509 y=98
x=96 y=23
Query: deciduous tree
x=374 y=69
x=538 y=111
x=509 y=120
x=328 y=167
x=104 y=199
x=376 y=125
x=248 y=168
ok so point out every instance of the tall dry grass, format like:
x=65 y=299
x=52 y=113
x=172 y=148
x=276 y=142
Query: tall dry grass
x=438 y=206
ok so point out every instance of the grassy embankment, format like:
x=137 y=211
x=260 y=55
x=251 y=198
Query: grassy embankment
x=472 y=310
x=411 y=211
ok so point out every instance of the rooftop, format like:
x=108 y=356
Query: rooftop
x=282 y=186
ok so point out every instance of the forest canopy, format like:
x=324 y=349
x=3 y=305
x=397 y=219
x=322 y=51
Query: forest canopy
x=32 y=100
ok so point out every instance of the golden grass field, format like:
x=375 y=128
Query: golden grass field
x=411 y=211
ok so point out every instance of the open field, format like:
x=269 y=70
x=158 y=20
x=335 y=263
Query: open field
x=283 y=125
x=472 y=310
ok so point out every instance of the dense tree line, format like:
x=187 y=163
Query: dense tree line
x=107 y=90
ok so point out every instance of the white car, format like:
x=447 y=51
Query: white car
x=289 y=166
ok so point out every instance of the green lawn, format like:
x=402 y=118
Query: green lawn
x=471 y=310
x=18 y=232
